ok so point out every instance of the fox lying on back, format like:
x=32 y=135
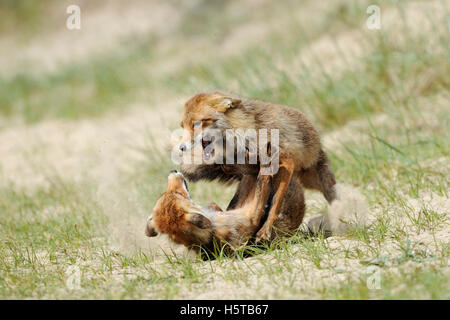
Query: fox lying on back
x=186 y=223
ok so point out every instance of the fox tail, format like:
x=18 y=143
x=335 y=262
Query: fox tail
x=345 y=213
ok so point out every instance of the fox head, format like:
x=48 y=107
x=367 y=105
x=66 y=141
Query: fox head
x=204 y=113
x=176 y=215
x=206 y=118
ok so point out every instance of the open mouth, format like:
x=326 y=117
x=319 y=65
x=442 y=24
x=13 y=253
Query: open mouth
x=205 y=143
x=208 y=151
x=185 y=186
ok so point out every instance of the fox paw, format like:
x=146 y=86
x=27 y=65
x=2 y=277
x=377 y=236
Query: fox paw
x=263 y=234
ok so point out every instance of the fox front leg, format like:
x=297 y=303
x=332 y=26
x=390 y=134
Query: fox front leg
x=280 y=183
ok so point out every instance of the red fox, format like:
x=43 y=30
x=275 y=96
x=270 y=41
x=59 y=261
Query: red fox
x=300 y=153
x=186 y=223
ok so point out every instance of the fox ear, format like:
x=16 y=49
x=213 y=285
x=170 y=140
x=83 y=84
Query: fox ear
x=198 y=220
x=149 y=229
x=226 y=103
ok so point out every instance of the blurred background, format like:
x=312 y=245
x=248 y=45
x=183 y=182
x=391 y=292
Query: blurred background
x=139 y=61
x=317 y=55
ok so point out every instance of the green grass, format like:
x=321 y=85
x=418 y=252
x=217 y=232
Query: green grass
x=396 y=91
x=114 y=79
x=421 y=283
x=77 y=91
x=23 y=15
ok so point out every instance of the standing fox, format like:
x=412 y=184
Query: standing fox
x=299 y=151
x=186 y=223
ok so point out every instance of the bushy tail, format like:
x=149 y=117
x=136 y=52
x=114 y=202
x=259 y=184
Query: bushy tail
x=347 y=211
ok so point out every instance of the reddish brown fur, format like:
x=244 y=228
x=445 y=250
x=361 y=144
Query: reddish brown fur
x=176 y=215
x=174 y=224
x=300 y=152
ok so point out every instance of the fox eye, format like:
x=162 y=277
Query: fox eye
x=197 y=123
